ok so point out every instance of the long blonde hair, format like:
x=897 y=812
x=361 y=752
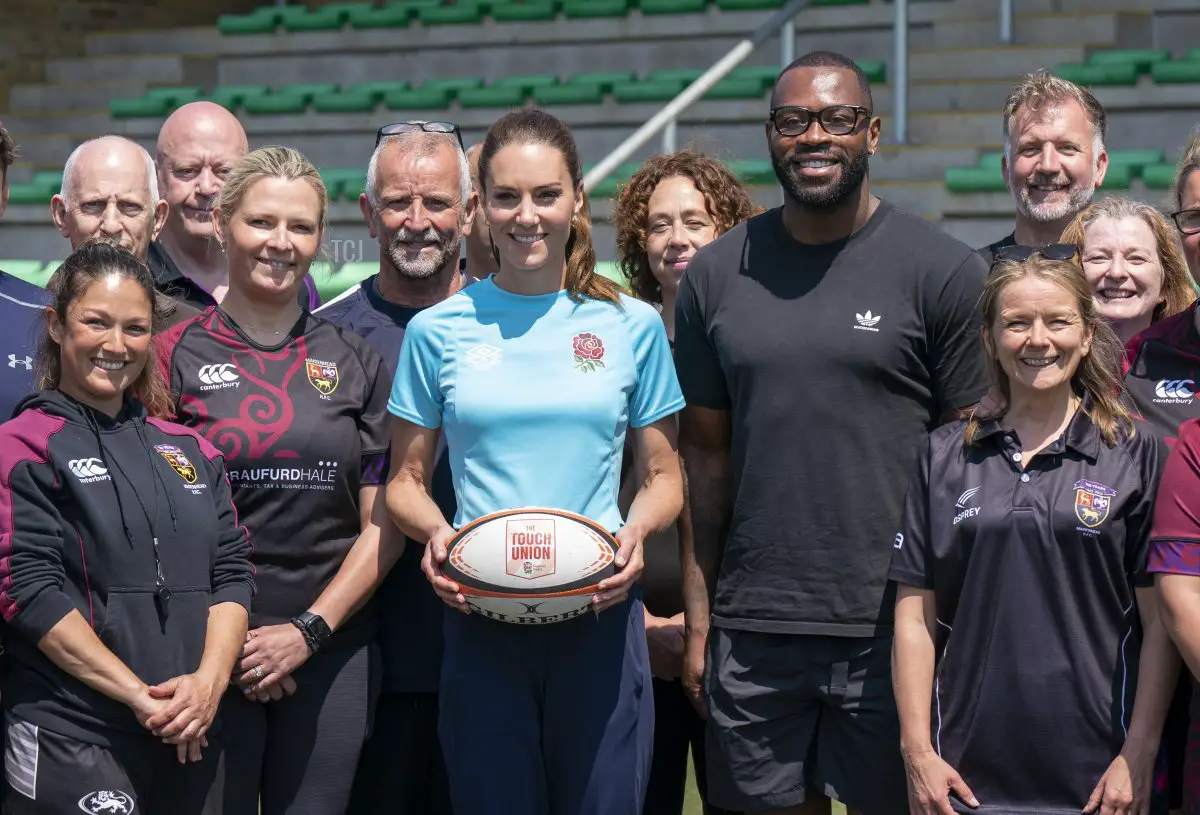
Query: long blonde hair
x=1098 y=376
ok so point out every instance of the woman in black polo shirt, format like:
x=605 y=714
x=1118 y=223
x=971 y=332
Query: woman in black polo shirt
x=1024 y=616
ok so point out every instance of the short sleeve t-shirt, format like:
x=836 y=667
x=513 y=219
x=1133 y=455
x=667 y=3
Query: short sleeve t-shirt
x=535 y=394
x=410 y=614
x=1033 y=572
x=1163 y=377
x=834 y=362
x=21 y=321
x=302 y=425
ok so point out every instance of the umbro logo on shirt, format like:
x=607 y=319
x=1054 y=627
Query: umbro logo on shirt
x=484 y=356
x=868 y=321
x=219 y=375
x=964 y=504
x=88 y=470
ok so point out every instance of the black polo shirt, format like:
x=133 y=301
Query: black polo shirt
x=833 y=362
x=1163 y=377
x=174 y=283
x=1033 y=574
x=988 y=253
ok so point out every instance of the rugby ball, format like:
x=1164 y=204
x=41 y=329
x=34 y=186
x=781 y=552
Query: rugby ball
x=530 y=566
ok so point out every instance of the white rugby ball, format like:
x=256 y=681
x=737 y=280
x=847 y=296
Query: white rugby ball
x=530 y=566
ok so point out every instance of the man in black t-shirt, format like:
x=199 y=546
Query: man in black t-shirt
x=417 y=202
x=817 y=345
x=1054 y=157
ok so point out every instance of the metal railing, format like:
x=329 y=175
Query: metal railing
x=783 y=21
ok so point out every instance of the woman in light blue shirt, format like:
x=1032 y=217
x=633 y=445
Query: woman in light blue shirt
x=535 y=375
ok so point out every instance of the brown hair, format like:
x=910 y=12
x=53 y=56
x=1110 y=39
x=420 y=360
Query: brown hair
x=534 y=126
x=1098 y=376
x=87 y=264
x=725 y=198
x=1042 y=88
x=1189 y=162
x=268 y=162
x=8 y=151
x=1177 y=291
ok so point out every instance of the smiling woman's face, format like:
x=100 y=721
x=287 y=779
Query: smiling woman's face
x=678 y=224
x=1121 y=263
x=529 y=206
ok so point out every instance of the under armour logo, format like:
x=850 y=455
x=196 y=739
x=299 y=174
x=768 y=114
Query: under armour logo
x=13 y=362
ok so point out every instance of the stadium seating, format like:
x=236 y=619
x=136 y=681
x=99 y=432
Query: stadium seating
x=1123 y=167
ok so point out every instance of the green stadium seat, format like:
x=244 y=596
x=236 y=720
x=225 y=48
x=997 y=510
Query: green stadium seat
x=755 y=172
x=390 y=16
x=748 y=5
x=262 y=20
x=605 y=79
x=1159 y=176
x=572 y=93
x=1118 y=177
x=172 y=93
x=684 y=76
x=672 y=6
x=766 y=74
x=347 y=101
x=50 y=178
x=491 y=97
x=876 y=70
x=30 y=193
x=732 y=87
x=515 y=11
x=132 y=108
x=1184 y=71
x=527 y=83
x=309 y=89
x=27 y=270
x=452 y=85
x=611 y=186
x=1141 y=58
x=326 y=18
x=464 y=12
x=283 y=101
x=418 y=99
x=1098 y=75
x=577 y=9
x=379 y=89
x=344 y=183
x=646 y=91
x=231 y=97
x=974 y=179
x=350 y=274
x=991 y=161
x=839 y=2
x=1135 y=160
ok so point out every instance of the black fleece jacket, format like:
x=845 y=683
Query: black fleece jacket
x=128 y=521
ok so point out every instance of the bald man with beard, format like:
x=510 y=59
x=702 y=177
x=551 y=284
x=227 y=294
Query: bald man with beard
x=197 y=147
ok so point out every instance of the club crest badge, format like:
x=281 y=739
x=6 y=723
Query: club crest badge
x=530 y=547
x=178 y=461
x=113 y=802
x=322 y=375
x=1092 y=502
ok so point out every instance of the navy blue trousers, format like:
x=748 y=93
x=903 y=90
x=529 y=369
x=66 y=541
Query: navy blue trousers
x=548 y=720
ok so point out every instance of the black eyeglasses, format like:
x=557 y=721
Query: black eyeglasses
x=837 y=120
x=1187 y=221
x=1053 y=251
x=428 y=127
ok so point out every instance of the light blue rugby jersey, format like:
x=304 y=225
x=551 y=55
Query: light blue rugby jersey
x=535 y=394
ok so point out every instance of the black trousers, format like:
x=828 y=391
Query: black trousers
x=401 y=769
x=50 y=774
x=677 y=729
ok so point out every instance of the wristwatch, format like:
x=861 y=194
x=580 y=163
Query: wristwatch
x=315 y=630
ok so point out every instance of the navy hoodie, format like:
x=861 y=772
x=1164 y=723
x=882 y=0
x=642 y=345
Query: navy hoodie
x=128 y=521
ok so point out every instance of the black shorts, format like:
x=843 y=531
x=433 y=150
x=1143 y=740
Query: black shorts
x=51 y=774
x=790 y=714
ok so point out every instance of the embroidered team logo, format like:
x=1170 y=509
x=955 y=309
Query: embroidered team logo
x=114 y=802
x=322 y=375
x=589 y=352
x=1092 y=502
x=178 y=460
x=530 y=548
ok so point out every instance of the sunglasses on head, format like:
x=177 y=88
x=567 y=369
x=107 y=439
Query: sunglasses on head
x=1053 y=251
x=428 y=127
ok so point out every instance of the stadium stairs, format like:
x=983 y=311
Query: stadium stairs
x=324 y=79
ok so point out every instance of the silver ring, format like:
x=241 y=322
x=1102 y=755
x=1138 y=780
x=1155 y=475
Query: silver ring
x=258 y=672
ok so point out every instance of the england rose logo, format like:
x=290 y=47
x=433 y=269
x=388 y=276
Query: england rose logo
x=589 y=352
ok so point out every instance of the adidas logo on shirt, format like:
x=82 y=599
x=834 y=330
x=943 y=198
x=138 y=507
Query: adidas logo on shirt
x=868 y=321
x=88 y=470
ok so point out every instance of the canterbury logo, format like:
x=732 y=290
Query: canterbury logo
x=1175 y=388
x=218 y=374
x=87 y=467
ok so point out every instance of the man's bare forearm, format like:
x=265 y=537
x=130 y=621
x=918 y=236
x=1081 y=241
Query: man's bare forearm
x=704 y=527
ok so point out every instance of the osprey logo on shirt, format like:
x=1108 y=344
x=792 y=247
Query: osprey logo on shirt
x=589 y=352
x=530 y=548
x=1174 y=391
x=107 y=801
x=322 y=375
x=868 y=321
x=963 y=503
x=88 y=470
x=1092 y=502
